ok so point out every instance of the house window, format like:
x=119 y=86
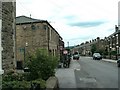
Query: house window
x=21 y=50
x=45 y=27
x=33 y=27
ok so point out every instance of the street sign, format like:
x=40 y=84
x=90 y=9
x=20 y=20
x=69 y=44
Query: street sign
x=65 y=52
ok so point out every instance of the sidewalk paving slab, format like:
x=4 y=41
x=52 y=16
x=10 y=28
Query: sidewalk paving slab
x=66 y=76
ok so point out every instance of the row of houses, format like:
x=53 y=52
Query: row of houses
x=109 y=47
x=21 y=36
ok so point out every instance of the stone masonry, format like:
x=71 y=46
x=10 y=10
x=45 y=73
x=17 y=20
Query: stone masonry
x=32 y=34
x=8 y=38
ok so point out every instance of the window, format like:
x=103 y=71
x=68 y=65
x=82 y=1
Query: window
x=33 y=27
x=21 y=50
x=45 y=27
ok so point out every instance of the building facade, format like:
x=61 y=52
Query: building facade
x=109 y=47
x=112 y=44
x=32 y=34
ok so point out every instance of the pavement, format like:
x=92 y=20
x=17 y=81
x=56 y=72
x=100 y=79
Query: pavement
x=109 y=60
x=66 y=76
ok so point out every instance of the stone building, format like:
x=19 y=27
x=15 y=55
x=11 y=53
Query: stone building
x=109 y=47
x=85 y=48
x=32 y=34
x=7 y=37
x=113 y=44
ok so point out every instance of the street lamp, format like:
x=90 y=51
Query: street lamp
x=26 y=45
x=26 y=69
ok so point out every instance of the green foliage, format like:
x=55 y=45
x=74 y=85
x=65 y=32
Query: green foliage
x=93 y=48
x=42 y=65
x=19 y=81
x=41 y=82
x=14 y=85
x=13 y=77
x=113 y=52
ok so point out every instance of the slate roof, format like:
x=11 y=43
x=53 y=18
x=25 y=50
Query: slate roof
x=24 y=19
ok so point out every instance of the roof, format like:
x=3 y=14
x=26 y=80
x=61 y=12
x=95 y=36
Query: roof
x=24 y=19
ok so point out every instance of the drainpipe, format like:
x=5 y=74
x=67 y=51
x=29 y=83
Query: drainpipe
x=1 y=71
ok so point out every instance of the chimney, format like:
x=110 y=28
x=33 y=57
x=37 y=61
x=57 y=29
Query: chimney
x=116 y=28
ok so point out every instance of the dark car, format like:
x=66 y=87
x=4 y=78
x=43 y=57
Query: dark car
x=76 y=55
x=118 y=62
x=97 y=56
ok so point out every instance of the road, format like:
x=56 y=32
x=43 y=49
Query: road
x=96 y=74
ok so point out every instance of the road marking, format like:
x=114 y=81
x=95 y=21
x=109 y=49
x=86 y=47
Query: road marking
x=78 y=69
x=89 y=80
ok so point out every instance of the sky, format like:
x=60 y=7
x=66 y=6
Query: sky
x=76 y=21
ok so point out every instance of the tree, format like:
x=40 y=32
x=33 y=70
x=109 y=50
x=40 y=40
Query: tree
x=93 y=48
x=42 y=65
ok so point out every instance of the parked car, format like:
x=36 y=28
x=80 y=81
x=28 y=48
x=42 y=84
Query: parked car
x=76 y=55
x=97 y=56
x=118 y=62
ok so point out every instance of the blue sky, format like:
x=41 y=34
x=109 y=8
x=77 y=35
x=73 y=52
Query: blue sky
x=76 y=21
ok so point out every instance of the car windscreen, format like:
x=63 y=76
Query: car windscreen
x=97 y=54
x=76 y=53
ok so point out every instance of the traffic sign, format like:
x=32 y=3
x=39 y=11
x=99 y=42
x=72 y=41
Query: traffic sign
x=65 y=52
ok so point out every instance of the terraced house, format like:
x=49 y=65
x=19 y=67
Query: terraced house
x=32 y=34
x=109 y=47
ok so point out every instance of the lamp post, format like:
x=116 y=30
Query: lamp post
x=26 y=45
x=26 y=69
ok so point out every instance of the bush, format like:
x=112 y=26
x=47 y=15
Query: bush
x=42 y=65
x=40 y=83
x=15 y=85
x=13 y=82
x=13 y=77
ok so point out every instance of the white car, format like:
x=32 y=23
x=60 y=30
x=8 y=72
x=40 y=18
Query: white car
x=76 y=55
x=97 y=56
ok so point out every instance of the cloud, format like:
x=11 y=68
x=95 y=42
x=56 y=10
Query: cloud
x=69 y=17
x=87 y=24
x=75 y=20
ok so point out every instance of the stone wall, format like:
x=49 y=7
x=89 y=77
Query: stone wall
x=34 y=38
x=41 y=36
x=8 y=41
